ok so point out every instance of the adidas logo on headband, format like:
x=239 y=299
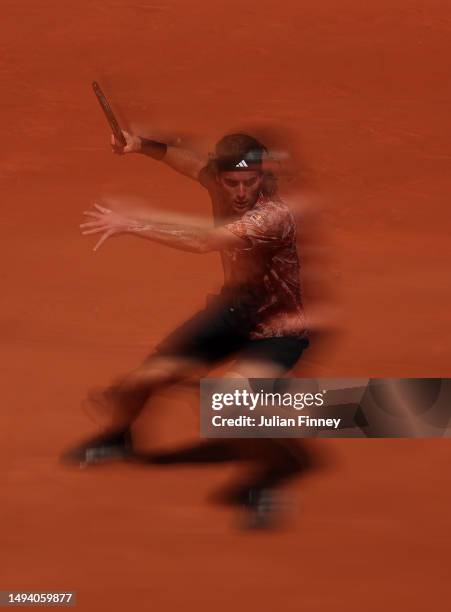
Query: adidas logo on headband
x=242 y=164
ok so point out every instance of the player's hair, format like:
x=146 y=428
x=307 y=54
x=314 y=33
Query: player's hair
x=233 y=148
x=239 y=146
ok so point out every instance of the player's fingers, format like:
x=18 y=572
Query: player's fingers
x=92 y=224
x=128 y=148
x=101 y=208
x=105 y=236
x=95 y=230
x=95 y=215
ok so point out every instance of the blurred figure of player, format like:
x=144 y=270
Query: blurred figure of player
x=257 y=317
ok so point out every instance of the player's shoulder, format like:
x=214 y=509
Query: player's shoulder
x=271 y=203
x=274 y=207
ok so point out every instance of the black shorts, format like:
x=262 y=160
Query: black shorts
x=216 y=333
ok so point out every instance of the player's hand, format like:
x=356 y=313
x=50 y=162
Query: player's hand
x=104 y=221
x=133 y=144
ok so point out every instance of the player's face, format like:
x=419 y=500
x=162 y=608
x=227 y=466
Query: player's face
x=240 y=188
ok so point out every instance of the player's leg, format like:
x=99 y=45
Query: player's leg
x=197 y=344
x=127 y=396
x=123 y=401
x=272 y=461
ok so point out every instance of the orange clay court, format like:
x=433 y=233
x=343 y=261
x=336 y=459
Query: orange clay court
x=361 y=94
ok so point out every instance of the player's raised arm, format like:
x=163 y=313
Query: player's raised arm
x=182 y=160
x=181 y=236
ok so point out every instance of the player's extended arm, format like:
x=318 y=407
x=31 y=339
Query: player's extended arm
x=178 y=236
x=182 y=160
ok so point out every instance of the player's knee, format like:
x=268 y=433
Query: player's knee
x=143 y=378
x=155 y=372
